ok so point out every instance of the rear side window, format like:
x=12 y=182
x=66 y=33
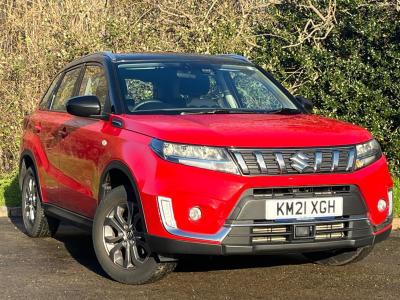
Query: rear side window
x=65 y=90
x=95 y=83
x=48 y=97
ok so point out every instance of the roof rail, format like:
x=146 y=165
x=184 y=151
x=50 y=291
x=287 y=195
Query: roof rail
x=110 y=54
x=104 y=53
x=236 y=56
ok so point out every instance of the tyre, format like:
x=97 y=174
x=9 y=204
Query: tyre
x=339 y=257
x=36 y=223
x=119 y=241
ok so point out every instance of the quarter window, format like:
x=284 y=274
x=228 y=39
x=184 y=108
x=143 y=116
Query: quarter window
x=66 y=90
x=48 y=97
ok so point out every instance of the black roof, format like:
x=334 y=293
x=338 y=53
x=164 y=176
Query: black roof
x=167 y=56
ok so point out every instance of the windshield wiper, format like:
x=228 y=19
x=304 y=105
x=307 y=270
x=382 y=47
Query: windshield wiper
x=284 y=111
x=214 y=111
x=223 y=111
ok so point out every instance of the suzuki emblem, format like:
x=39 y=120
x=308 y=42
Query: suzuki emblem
x=300 y=162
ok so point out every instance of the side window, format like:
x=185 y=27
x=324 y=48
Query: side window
x=65 y=90
x=95 y=83
x=253 y=93
x=48 y=97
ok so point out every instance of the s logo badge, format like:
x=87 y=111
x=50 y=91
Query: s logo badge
x=300 y=162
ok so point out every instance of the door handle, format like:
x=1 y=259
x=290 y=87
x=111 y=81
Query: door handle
x=63 y=132
x=38 y=128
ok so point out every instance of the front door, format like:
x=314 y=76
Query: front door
x=51 y=123
x=82 y=147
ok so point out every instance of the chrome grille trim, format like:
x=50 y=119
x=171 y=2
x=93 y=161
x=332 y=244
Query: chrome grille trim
x=278 y=233
x=335 y=160
x=241 y=162
x=318 y=162
x=295 y=160
x=281 y=162
x=311 y=222
x=350 y=163
x=261 y=162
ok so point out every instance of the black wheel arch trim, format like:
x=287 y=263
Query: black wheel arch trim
x=23 y=169
x=122 y=167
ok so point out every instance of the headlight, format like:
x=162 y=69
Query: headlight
x=367 y=153
x=212 y=158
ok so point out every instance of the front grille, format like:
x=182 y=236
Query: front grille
x=298 y=192
x=295 y=161
x=277 y=234
x=270 y=234
x=249 y=226
x=330 y=231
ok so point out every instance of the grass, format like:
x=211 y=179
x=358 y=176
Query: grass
x=10 y=195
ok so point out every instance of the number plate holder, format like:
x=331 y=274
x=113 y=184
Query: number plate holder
x=303 y=208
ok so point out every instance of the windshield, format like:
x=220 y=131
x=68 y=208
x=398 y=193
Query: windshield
x=199 y=88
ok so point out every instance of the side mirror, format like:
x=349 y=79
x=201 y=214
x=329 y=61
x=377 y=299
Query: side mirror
x=305 y=104
x=84 y=106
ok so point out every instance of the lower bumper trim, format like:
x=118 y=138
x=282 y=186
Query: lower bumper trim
x=298 y=247
x=168 y=247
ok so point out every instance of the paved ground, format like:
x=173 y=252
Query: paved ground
x=66 y=267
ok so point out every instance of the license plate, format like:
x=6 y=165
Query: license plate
x=304 y=208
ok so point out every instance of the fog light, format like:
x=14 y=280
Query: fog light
x=381 y=205
x=390 y=198
x=195 y=213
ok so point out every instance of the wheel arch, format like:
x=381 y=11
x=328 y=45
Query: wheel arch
x=115 y=174
x=27 y=159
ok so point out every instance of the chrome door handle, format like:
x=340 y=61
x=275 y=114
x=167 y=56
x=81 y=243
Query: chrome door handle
x=38 y=128
x=63 y=133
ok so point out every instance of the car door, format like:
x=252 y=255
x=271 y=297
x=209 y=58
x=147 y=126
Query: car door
x=43 y=127
x=82 y=147
x=52 y=123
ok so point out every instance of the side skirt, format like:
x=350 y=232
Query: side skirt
x=68 y=216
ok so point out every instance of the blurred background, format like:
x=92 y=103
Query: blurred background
x=343 y=55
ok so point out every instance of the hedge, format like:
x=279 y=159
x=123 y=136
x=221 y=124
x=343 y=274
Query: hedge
x=343 y=55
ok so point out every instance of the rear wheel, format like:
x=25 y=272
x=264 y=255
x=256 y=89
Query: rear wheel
x=119 y=241
x=36 y=223
x=339 y=257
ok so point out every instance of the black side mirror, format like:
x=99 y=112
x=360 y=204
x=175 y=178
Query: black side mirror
x=84 y=106
x=305 y=104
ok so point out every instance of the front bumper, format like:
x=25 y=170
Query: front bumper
x=171 y=247
x=231 y=206
x=246 y=231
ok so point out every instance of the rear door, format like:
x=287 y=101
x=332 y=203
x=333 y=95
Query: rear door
x=42 y=126
x=84 y=143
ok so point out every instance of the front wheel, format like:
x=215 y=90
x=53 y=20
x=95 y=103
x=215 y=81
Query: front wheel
x=339 y=257
x=119 y=241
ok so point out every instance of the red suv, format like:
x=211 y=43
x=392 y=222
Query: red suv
x=163 y=155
